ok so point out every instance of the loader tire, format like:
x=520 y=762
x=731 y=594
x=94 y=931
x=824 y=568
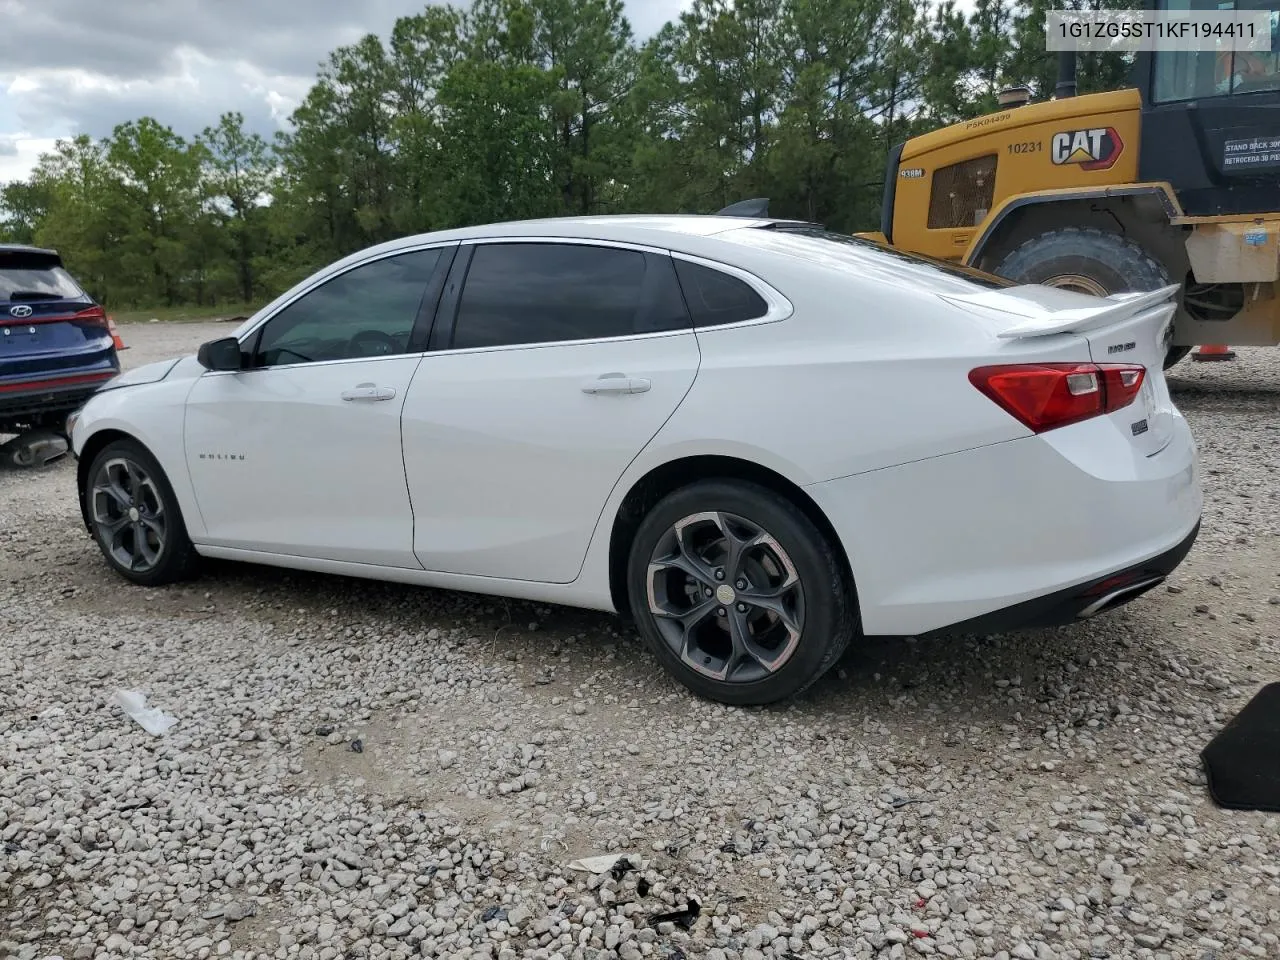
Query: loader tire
x=1089 y=261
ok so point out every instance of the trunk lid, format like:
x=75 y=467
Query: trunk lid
x=1127 y=328
x=49 y=339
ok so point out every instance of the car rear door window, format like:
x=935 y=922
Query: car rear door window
x=716 y=298
x=367 y=312
x=526 y=293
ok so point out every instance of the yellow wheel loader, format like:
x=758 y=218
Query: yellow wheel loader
x=1175 y=179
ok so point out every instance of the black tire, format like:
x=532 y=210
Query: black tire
x=1112 y=262
x=171 y=558
x=824 y=608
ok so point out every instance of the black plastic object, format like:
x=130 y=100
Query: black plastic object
x=1240 y=761
x=621 y=867
x=684 y=919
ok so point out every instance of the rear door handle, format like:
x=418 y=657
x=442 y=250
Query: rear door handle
x=617 y=383
x=369 y=391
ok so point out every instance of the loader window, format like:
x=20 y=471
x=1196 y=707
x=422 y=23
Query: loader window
x=962 y=192
x=1194 y=75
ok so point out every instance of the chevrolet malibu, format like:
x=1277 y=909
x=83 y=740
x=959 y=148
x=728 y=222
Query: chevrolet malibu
x=758 y=439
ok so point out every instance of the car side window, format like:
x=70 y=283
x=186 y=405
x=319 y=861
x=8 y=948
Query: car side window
x=368 y=311
x=716 y=298
x=526 y=293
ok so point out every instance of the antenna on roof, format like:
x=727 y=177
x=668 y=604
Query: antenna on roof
x=747 y=208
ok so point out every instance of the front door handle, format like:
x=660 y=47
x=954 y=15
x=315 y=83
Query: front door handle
x=369 y=391
x=617 y=383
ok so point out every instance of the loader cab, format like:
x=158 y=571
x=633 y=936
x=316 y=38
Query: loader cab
x=1211 y=119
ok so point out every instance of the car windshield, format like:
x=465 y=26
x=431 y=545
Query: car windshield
x=928 y=267
x=31 y=282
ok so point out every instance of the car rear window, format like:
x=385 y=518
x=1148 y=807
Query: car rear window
x=26 y=277
x=924 y=268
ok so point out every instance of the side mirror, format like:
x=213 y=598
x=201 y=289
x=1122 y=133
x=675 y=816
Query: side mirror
x=223 y=354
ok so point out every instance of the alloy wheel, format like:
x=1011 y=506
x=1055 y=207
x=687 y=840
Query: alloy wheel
x=128 y=513
x=725 y=597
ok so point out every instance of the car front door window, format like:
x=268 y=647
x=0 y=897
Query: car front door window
x=365 y=313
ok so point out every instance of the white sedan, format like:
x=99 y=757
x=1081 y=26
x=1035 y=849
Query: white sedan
x=758 y=439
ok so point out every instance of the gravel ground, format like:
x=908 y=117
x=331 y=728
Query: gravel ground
x=362 y=770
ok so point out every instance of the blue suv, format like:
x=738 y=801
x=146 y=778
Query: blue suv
x=56 y=343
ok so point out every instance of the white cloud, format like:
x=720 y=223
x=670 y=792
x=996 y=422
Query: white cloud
x=19 y=153
x=84 y=66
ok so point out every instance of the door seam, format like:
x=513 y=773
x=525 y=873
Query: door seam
x=647 y=444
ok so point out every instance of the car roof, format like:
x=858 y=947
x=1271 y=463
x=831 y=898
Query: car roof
x=621 y=228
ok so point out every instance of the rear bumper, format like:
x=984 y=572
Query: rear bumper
x=1080 y=602
x=1014 y=533
x=47 y=397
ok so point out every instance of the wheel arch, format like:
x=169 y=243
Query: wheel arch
x=1145 y=213
x=94 y=445
x=670 y=476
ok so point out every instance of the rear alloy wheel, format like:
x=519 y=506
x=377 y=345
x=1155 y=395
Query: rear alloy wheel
x=1091 y=261
x=738 y=593
x=135 y=517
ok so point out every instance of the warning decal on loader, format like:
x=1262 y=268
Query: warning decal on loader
x=1094 y=149
x=1252 y=153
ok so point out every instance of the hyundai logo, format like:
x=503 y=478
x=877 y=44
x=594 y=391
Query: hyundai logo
x=21 y=310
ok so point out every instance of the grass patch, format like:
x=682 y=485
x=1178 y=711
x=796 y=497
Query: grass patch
x=183 y=314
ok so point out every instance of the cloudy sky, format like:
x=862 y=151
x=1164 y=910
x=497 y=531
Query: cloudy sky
x=82 y=66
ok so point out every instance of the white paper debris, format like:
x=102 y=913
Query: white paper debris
x=152 y=719
x=603 y=864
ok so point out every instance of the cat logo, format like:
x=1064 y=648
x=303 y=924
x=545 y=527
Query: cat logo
x=1096 y=149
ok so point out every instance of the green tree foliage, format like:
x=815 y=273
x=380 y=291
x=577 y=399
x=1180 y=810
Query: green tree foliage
x=237 y=181
x=510 y=109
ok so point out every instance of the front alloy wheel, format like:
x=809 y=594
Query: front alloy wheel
x=135 y=517
x=737 y=592
x=128 y=512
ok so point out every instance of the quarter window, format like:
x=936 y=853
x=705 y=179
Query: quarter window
x=369 y=312
x=525 y=293
x=715 y=298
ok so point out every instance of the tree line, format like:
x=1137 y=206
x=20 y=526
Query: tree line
x=510 y=109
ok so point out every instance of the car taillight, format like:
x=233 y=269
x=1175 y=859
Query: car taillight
x=1048 y=395
x=95 y=315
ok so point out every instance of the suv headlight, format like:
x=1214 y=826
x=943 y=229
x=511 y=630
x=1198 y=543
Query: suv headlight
x=72 y=418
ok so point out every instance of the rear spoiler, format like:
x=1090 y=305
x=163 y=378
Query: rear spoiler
x=1043 y=321
x=30 y=258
